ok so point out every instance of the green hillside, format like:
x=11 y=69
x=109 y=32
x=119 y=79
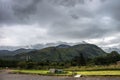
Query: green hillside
x=62 y=53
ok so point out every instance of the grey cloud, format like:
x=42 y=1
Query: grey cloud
x=1 y=37
x=65 y=19
x=81 y=12
x=115 y=41
x=5 y=12
x=81 y=31
x=111 y=8
x=24 y=11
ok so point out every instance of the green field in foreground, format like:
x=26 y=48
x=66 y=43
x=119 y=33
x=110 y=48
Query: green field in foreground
x=69 y=73
x=31 y=71
x=40 y=72
x=100 y=73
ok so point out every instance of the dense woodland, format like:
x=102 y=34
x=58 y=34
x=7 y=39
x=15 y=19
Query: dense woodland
x=109 y=58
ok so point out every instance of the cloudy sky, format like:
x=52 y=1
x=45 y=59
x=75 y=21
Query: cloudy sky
x=26 y=22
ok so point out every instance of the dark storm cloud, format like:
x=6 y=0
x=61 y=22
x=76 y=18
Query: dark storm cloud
x=5 y=12
x=22 y=10
x=25 y=12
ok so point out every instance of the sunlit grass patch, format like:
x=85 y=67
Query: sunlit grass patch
x=31 y=71
x=70 y=73
x=94 y=68
x=99 y=73
x=40 y=72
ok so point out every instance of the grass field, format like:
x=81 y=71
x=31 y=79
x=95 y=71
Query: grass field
x=42 y=72
x=111 y=70
x=69 y=73
x=99 y=73
x=94 y=68
x=39 y=72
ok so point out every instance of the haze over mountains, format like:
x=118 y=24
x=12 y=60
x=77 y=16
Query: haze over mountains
x=9 y=49
x=12 y=53
x=38 y=46
x=110 y=49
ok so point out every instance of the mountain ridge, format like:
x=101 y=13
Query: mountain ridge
x=62 y=54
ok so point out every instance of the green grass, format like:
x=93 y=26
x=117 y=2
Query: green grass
x=99 y=73
x=39 y=72
x=111 y=70
x=1 y=68
x=69 y=73
x=42 y=72
x=94 y=68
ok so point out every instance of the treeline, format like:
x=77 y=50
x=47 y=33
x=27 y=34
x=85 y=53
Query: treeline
x=8 y=63
x=80 y=60
x=111 y=58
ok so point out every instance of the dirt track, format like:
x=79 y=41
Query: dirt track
x=4 y=75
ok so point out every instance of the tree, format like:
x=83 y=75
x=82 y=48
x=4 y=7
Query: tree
x=110 y=58
x=22 y=64
x=82 y=60
x=79 y=60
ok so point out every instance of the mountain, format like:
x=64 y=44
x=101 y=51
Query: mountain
x=22 y=50
x=38 y=46
x=110 y=49
x=4 y=53
x=63 y=46
x=13 y=48
x=62 y=53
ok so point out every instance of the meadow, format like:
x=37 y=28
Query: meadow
x=94 y=68
x=111 y=70
x=70 y=73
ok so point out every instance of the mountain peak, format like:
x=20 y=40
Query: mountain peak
x=63 y=46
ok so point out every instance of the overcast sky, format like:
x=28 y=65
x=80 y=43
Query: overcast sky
x=26 y=22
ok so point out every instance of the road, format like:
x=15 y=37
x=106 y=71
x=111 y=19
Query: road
x=4 y=75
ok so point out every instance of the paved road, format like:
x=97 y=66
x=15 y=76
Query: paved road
x=5 y=76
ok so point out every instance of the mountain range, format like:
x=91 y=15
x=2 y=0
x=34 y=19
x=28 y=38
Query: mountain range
x=12 y=53
x=110 y=49
x=38 y=46
x=61 y=52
